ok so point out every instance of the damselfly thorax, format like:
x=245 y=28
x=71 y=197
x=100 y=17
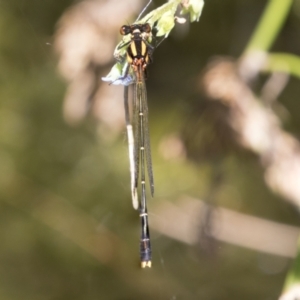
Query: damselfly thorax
x=139 y=50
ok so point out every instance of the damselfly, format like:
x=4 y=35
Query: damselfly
x=133 y=54
x=138 y=56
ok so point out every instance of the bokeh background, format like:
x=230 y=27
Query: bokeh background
x=67 y=226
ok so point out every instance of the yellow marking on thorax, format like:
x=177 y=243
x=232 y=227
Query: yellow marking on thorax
x=129 y=58
x=143 y=48
x=133 y=49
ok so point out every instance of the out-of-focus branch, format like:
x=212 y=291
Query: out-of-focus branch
x=85 y=39
x=257 y=128
x=182 y=221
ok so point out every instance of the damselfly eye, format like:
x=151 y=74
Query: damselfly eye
x=146 y=28
x=125 y=29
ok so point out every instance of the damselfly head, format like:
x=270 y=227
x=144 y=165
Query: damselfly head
x=142 y=28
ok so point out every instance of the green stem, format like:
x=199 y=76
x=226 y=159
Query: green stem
x=269 y=25
x=283 y=62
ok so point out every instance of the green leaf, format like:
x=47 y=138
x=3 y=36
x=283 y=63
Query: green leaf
x=165 y=24
x=194 y=8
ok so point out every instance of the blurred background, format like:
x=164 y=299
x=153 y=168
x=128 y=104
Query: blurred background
x=224 y=220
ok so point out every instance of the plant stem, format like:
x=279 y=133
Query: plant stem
x=270 y=24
